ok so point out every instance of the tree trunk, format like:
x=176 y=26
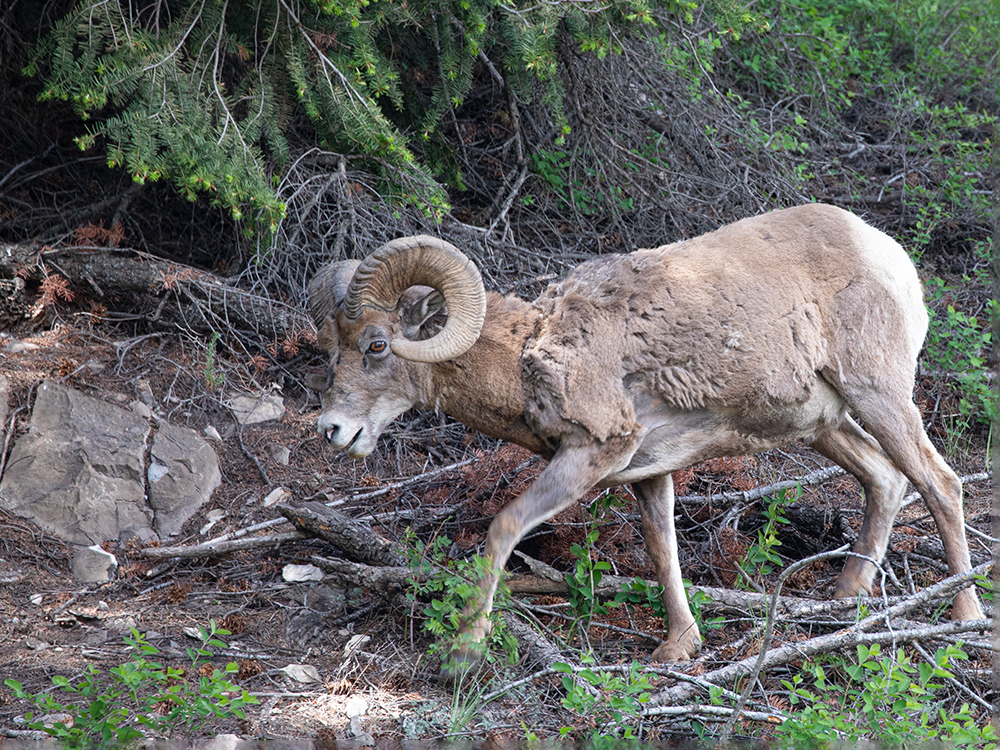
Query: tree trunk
x=209 y=302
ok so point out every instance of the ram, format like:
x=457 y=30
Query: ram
x=767 y=331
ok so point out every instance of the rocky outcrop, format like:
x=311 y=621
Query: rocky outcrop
x=89 y=471
x=183 y=472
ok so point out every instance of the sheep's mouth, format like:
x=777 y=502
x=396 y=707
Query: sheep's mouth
x=331 y=436
x=357 y=436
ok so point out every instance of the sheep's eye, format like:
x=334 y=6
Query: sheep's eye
x=377 y=347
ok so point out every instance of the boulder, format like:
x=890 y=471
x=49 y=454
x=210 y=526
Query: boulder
x=186 y=474
x=80 y=471
x=250 y=410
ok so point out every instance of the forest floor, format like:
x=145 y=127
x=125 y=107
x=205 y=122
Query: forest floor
x=51 y=626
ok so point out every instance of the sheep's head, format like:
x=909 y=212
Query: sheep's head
x=414 y=301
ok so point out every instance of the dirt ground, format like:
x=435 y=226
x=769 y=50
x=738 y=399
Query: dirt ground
x=50 y=625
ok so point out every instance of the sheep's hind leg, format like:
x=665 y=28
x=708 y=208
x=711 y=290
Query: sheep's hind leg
x=656 y=504
x=858 y=453
x=900 y=432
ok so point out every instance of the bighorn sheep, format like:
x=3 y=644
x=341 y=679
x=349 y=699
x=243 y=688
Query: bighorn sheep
x=761 y=333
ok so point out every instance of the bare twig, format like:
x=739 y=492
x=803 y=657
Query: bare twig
x=769 y=630
x=214 y=549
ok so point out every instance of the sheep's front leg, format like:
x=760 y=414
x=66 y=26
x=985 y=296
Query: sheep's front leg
x=570 y=473
x=656 y=505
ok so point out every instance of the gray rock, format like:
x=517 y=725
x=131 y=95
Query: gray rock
x=221 y=742
x=19 y=347
x=279 y=453
x=9 y=574
x=300 y=573
x=93 y=565
x=78 y=472
x=144 y=392
x=141 y=410
x=256 y=409
x=191 y=476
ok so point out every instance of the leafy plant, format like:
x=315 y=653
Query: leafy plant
x=611 y=698
x=585 y=579
x=580 y=186
x=760 y=558
x=214 y=378
x=958 y=343
x=885 y=698
x=205 y=95
x=139 y=698
x=452 y=586
x=696 y=600
x=638 y=592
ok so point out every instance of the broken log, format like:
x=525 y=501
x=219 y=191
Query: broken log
x=356 y=539
x=104 y=271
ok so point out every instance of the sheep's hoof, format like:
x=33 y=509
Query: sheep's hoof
x=460 y=662
x=683 y=648
x=966 y=606
x=851 y=587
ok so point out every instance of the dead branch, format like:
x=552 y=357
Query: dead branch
x=713 y=713
x=769 y=631
x=214 y=549
x=135 y=273
x=354 y=538
x=324 y=495
x=848 y=637
x=546 y=580
x=384 y=580
x=225 y=543
x=813 y=477
x=536 y=649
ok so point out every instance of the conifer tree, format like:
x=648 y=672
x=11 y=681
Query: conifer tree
x=202 y=92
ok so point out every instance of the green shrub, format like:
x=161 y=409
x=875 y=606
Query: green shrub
x=611 y=698
x=140 y=698
x=883 y=698
x=452 y=585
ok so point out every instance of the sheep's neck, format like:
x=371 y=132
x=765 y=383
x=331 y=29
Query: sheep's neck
x=482 y=388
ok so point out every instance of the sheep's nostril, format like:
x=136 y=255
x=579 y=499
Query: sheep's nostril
x=331 y=434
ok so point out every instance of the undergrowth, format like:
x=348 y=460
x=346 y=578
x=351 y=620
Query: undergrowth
x=138 y=699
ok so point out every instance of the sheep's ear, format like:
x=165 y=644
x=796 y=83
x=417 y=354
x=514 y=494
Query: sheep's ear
x=419 y=313
x=327 y=337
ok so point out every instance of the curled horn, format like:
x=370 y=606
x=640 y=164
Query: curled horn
x=328 y=288
x=422 y=261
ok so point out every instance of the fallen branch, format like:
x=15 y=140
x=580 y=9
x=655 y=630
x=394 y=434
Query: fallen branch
x=132 y=272
x=324 y=495
x=768 y=632
x=384 y=580
x=214 y=549
x=856 y=634
x=224 y=543
x=813 y=477
x=713 y=713
x=536 y=650
x=354 y=538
